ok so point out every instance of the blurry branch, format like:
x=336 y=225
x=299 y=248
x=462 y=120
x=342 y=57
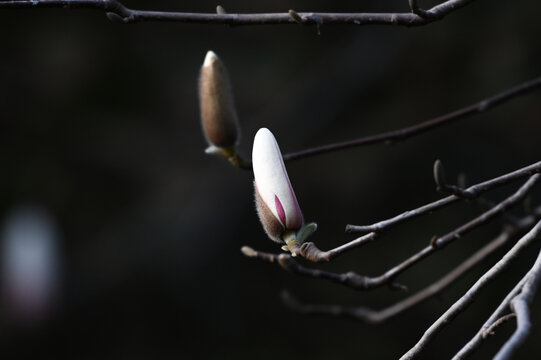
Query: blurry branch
x=378 y=316
x=405 y=133
x=117 y=12
x=361 y=282
x=470 y=296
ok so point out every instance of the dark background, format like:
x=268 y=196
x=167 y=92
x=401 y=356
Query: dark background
x=99 y=124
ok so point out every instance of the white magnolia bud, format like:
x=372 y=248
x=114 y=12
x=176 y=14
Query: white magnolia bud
x=218 y=115
x=276 y=202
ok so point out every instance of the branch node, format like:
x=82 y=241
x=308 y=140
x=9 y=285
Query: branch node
x=114 y=17
x=310 y=251
x=293 y=15
x=355 y=280
x=443 y=186
x=424 y=14
x=220 y=10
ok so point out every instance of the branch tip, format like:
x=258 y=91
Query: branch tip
x=220 y=10
x=248 y=251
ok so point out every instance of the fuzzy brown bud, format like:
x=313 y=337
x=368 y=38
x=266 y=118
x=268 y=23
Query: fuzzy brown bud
x=218 y=115
x=272 y=226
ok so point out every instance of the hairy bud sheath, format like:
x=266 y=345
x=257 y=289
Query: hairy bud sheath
x=276 y=202
x=218 y=115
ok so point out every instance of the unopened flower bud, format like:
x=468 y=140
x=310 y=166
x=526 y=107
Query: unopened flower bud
x=218 y=115
x=276 y=202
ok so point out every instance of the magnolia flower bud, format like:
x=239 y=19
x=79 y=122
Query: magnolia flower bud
x=276 y=202
x=218 y=115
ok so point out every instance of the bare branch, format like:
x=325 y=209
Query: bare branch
x=350 y=279
x=439 y=243
x=311 y=252
x=405 y=133
x=461 y=305
x=497 y=318
x=487 y=204
x=476 y=341
x=377 y=316
x=474 y=190
x=521 y=306
x=119 y=13
x=488 y=215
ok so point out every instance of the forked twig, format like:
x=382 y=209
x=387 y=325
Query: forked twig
x=474 y=190
x=521 y=306
x=311 y=252
x=461 y=305
x=500 y=311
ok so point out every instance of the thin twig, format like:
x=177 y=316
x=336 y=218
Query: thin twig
x=488 y=215
x=405 y=133
x=417 y=10
x=479 y=337
x=311 y=252
x=349 y=279
x=521 y=306
x=461 y=305
x=378 y=316
x=118 y=12
x=475 y=190
x=492 y=329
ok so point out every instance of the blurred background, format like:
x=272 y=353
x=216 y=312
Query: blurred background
x=131 y=234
